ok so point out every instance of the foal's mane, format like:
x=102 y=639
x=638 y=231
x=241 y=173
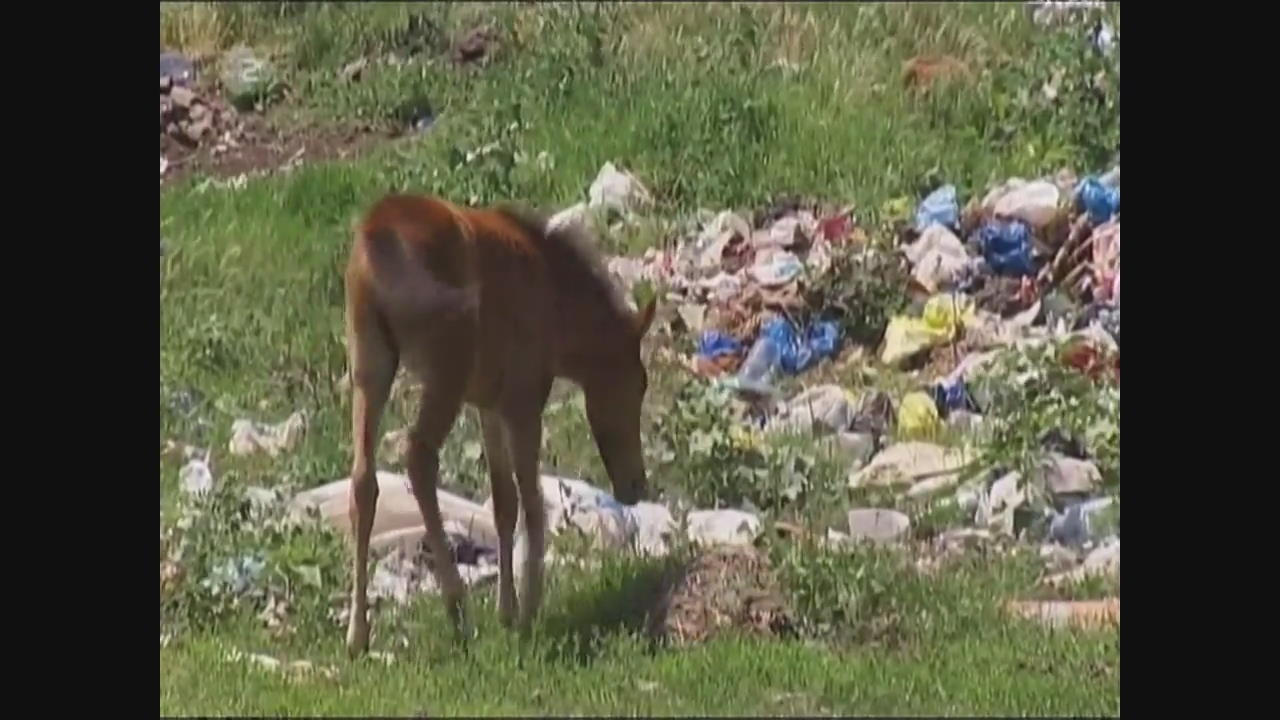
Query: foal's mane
x=573 y=256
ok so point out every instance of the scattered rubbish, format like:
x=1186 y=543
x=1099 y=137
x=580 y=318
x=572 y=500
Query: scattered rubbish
x=248 y=437
x=235 y=576
x=1084 y=522
x=617 y=190
x=1079 y=614
x=178 y=68
x=1100 y=201
x=1104 y=562
x=823 y=408
x=1006 y=246
x=940 y=322
x=779 y=269
x=723 y=527
x=858 y=447
x=1034 y=203
x=876 y=415
x=795 y=355
x=1068 y=476
x=918 y=417
x=997 y=505
x=952 y=396
x=244 y=75
x=195 y=478
x=1106 y=262
x=938 y=258
x=714 y=343
x=908 y=462
x=878 y=525
x=939 y=207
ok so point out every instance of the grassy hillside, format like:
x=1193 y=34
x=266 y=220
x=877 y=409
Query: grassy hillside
x=714 y=106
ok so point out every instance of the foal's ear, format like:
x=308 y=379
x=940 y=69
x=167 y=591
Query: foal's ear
x=645 y=318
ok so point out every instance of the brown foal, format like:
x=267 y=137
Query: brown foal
x=484 y=307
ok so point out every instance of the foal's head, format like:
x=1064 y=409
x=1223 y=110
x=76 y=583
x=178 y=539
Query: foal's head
x=614 y=388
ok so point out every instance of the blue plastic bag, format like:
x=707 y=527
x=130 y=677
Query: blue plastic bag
x=713 y=344
x=939 y=207
x=949 y=397
x=1100 y=201
x=1006 y=246
x=796 y=354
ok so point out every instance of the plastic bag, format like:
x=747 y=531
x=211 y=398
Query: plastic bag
x=714 y=343
x=1006 y=246
x=942 y=315
x=939 y=207
x=796 y=354
x=918 y=417
x=1098 y=200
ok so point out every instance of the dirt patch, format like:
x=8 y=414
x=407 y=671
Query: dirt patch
x=722 y=588
x=201 y=133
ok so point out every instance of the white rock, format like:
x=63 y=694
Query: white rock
x=878 y=525
x=1064 y=475
x=723 y=527
x=908 y=462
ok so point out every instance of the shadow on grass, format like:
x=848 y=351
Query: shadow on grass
x=624 y=597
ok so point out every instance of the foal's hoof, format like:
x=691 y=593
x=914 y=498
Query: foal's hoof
x=357 y=639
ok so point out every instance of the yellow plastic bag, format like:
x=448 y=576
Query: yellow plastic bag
x=907 y=336
x=918 y=417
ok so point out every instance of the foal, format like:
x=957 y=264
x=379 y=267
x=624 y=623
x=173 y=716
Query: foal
x=485 y=307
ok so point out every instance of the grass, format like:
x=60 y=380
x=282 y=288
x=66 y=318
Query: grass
x=713 y=106
x=951 y=657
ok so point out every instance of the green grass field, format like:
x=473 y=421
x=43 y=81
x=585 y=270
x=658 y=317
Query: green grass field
x=712 y=106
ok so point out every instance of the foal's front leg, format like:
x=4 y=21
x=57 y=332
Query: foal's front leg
x=506 y=509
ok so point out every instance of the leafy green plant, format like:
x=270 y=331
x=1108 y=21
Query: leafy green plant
x=861 y=291
x=236 y=556
x=1030 y=393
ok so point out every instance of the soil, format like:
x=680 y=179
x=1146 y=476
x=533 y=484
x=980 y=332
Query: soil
x=722 y=588
x=234 y=143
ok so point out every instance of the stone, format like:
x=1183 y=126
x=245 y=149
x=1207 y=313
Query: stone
x=198 y=111
x=1064 y=475
x=908 y=462
x=723 y=527
x=166 y=83
x=824 y=408
x=878 y=525
x=182 y=97
x=197 y=129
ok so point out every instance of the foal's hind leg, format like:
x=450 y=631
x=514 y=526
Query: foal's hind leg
x=506 y=509
x=373 y=360
x=441 y=400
